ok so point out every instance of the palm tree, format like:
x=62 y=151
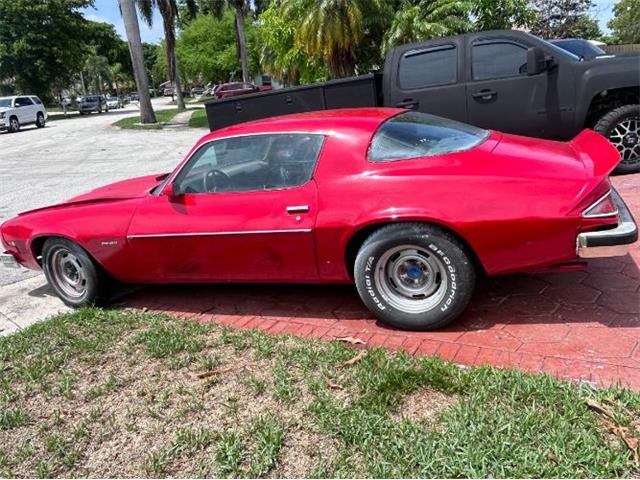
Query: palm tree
x=423 y=19
x=96 y=70
x=240 y=8
x=331 y=29
x=169 y=12
x=128 y=11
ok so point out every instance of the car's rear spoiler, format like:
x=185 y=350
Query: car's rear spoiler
x=599 y=156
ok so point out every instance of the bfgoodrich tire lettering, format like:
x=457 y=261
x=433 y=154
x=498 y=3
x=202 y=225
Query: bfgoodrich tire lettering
x=414 y=276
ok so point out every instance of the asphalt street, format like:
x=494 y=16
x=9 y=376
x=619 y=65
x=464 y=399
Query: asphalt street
x=40 y=167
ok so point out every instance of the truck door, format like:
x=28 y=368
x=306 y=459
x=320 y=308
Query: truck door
x=425 y=77
x=500 y=95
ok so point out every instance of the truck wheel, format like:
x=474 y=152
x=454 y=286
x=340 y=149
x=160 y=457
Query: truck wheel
x=73 y=275
x=14 y=124
x=40 y=120
x=622 y=127
x=414 y=276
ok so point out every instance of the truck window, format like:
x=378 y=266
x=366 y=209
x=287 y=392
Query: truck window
x=497 y=59
x=428 y=67
x=415 y=134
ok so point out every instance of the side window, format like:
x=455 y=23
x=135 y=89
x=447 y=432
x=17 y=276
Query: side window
x=23 y=102
x=428 y=67
x=497 y=59
x=250 y=163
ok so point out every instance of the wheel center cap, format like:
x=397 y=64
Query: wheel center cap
x=631 y=139
x=414 y=272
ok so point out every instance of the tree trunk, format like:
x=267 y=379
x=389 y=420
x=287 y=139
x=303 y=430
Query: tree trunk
x=84 y=87
x=132 y=28
x=242 y=42
x=176 y=82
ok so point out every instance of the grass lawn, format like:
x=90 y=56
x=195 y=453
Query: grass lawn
x=162 y=116
x=119 y=393
x=199 y=119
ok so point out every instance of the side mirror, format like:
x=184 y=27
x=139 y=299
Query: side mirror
x=176 y=191
x=536 y=61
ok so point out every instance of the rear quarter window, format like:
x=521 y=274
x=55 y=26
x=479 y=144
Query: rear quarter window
x=415 y=134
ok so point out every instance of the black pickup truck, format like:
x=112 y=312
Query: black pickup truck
x=505 y=80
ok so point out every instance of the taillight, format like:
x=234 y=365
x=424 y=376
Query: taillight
x=602 y=207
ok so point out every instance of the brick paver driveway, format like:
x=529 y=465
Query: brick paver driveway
x=582 y=325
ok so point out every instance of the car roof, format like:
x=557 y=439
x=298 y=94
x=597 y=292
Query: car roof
x=322 y=121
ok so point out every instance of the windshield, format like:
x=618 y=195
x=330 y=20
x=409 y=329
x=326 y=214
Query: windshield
x=581 y=48
x=5 y=102
x=415 y=134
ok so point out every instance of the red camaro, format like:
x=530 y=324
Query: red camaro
x=410 y=206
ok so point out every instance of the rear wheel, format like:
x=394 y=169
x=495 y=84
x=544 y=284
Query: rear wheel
x=73 y=275
x=414 y=276
x=622 y=127
x=40 y=120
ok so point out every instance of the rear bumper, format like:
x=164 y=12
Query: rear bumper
x=8 y=260
x=613 y=242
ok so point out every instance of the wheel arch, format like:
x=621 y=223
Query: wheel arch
x=360 y=234
x=607 y=100
x=37 y=244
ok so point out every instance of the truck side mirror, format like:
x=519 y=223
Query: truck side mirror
x=536 y=61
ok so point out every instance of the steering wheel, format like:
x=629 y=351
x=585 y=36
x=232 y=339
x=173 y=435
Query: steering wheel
x=215 y=179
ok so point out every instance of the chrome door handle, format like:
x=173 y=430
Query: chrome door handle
x=298 y=209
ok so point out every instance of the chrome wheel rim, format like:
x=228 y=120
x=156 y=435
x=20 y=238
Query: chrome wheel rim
x=68 y=273
x=625 y=136
x=14 y=124
x=411 y=279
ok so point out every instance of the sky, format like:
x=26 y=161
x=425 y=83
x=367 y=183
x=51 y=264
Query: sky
x=108 y=11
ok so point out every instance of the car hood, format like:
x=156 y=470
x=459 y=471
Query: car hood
x=4 y=109
x=124 y=190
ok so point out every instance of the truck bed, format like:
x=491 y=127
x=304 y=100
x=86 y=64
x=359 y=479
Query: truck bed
x=359 y=91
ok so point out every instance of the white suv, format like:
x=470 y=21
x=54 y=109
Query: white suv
x=21 y=110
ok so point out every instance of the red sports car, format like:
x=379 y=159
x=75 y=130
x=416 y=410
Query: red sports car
x=410 y=207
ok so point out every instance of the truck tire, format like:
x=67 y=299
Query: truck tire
x=14 y=124
x=414 y=276
x=622 y=127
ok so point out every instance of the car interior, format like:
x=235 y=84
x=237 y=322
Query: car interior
x=256 y=162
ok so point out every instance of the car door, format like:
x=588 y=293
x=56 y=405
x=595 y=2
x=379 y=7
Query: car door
x=242 y=209
x=24 y=109
x=502 y=96
x=427 y=78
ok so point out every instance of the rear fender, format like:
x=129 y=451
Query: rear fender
x=599 y=156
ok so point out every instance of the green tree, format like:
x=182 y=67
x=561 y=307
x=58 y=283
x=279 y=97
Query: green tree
x=42 y=44
x=240 y=9
x=626 y=21
x=424 y=19
x=564 y=19
x=207 y=48
x=96 y=70
x=502 y=14
x=281 y=56
x=169 y=12
x=331 y=29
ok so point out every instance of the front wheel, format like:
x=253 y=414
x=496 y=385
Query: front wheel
x=414 y=276
x=14 y=125
x=622 y=127
x=72 y=274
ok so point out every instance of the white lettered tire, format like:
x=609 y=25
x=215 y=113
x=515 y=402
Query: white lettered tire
x=414 y=276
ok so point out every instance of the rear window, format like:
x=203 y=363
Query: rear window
x=415 y=134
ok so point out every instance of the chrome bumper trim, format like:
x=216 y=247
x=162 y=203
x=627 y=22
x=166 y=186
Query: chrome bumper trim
x=9 y=261
x=613 y=242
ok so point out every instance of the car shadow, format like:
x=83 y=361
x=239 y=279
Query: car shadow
x=605 y=293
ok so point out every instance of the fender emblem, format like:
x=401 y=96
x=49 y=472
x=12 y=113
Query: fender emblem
x=109 y=243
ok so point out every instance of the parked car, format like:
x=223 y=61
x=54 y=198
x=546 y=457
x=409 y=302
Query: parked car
x=134 y=96
x=168 y=92
x=92 y=103
x=505 y=80
x=197 y=91
x=21 y=110
x=584 y=49
x=114 y=103
x=451 y=202
x=234 y=89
